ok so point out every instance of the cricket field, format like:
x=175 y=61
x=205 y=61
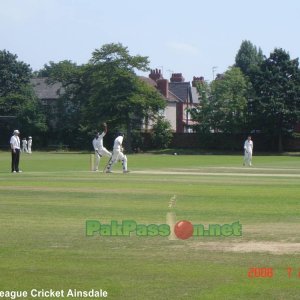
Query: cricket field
x=44 y=211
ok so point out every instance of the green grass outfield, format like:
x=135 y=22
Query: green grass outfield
x=43 y=211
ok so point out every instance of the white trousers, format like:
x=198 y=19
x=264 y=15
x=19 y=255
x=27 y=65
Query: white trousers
x=118 y=156
x=99 y=154
x=248 y=158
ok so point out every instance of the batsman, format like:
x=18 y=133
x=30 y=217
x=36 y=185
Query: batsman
x=117 y=155
x=100 y=150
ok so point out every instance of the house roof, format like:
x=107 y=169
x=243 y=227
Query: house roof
x=171 y=98
x=181 y=90
x=195 y=95
x=178 y=91
x=148 y=80
x=44 y=90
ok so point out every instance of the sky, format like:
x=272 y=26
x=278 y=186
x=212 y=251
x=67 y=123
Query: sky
x=192 y=37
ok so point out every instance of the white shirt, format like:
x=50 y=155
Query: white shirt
x=118 y=143
x=98 y=142
x=29 y=142
x=24 y=143
x=15 y=142
x=248 y=146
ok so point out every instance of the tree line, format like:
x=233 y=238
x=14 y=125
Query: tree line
x=256 y=94
x=106 y=89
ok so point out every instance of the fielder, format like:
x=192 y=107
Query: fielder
x=24 y=145
x=29 y=144
x=248 y=150
x=118 y=155
x=98 y=147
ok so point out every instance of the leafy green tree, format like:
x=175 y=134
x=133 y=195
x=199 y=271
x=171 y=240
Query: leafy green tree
x=29 y=112
x=230 y=102
x=277 y=102
x=106 y=89
x=66 y=72
x=116 y=95
x=248 y=57
x=14 y=74
x=17 y=97
x=204 y=113
x=225 y=109
x=65 y=125
x=161 y=134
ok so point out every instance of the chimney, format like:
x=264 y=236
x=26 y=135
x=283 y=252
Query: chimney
x=197 y=80
x=155 y=75
x=163 y=87
x=177 y=77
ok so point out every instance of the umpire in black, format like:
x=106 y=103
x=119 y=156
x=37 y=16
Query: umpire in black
x=15 y=151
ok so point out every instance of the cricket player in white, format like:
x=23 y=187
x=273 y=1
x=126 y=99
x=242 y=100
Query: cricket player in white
x=98 y=147
x=248 y=148
x=24 y=145
x=29 y=144
x=118 y=155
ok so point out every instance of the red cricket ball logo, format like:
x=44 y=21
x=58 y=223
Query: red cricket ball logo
x=183 y=229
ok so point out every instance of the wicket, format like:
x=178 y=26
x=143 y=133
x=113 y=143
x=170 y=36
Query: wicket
x=92 y=162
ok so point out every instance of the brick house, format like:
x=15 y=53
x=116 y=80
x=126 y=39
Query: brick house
x=180 y=95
